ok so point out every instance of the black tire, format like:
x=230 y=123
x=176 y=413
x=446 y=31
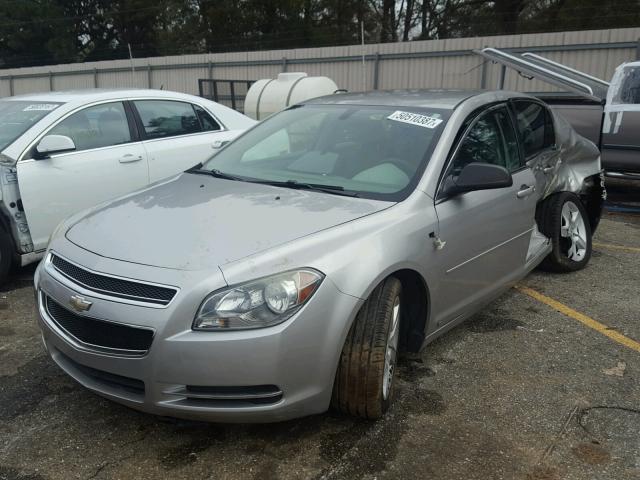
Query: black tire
x=551 y=223
x=358 y=386
x=6 y=255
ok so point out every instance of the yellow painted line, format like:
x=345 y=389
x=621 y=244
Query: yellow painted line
x=582 y=318
x=617 y=247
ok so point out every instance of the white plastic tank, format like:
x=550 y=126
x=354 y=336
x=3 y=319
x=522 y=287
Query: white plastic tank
x=268 y=96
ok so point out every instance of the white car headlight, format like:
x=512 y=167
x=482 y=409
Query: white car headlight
x=260 y=303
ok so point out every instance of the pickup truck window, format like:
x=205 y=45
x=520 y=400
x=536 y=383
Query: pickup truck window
x=16 y=117
x=535 y=127
x=167 y=118
x=627 y=91
x=95 y=127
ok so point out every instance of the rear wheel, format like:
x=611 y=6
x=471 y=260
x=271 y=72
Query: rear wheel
x=564 y=220
x=365 y=378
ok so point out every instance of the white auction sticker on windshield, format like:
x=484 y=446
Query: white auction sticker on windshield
x=415 y=119
x=40 y=107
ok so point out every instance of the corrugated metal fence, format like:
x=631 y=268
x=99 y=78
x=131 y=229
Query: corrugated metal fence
x=421 y=64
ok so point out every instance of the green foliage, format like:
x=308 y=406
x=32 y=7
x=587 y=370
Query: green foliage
x=40 y=32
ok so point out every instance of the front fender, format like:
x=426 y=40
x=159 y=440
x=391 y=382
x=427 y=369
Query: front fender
x=357 y=255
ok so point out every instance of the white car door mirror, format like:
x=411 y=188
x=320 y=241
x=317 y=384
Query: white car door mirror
x=219 y=144
x=54 y=144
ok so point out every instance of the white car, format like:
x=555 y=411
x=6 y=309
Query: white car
x=62 y=152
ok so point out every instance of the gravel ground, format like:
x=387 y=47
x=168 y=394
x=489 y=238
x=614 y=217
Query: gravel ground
x=520 y=391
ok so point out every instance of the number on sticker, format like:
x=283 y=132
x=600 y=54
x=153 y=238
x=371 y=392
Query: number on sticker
x=415 y=119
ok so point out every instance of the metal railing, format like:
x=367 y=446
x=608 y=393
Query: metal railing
x=227 y=92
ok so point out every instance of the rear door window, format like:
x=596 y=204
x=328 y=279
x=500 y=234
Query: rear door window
x=168 y=118
x=535 y=127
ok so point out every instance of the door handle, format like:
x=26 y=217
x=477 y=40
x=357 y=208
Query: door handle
x=525 y=191
x=129 y=158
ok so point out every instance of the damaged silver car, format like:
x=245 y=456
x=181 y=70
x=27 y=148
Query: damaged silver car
x=285 y=274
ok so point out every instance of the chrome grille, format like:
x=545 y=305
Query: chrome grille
x=112 y=286
x=99 y=334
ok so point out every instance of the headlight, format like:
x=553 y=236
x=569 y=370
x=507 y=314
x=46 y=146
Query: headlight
x=257 y=304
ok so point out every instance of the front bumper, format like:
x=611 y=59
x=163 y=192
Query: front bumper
x=260 y=375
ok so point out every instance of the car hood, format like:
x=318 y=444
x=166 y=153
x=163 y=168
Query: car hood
x=198 y=222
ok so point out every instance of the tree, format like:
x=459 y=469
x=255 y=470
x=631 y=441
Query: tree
x=28 y=33
x=408 y=20
x=40 y=32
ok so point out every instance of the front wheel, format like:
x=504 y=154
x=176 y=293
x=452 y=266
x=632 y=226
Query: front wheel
x=364 y=381
x=564 y=220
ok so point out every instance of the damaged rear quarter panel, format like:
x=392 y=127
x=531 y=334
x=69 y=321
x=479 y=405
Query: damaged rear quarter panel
x=576 y=159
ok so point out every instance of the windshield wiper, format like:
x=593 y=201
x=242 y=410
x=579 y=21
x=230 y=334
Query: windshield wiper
x=215 y=173
x=317 y=187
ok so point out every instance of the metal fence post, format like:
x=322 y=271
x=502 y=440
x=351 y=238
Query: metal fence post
x=95 y=78
x=638 y=50
x=50 y=81
x=233 y=95
x=483 y=75
x=376 y=70
x=503 y=73
x=210 y=70
x=11 y=85
x=284 y=64
x=148 y=76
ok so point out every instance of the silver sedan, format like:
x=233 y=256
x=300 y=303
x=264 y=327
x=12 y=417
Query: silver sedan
x=284 y=275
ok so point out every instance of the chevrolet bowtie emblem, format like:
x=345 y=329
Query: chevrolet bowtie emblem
x=80 y=304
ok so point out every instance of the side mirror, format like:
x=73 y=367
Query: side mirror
x=480 y=176
x=53 y=144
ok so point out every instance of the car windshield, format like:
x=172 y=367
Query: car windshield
x=17 y=116
x=371 y=151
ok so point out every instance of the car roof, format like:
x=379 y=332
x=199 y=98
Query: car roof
x=93 y=94
x=427 y=98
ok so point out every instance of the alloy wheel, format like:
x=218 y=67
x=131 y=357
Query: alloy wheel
x=573 y=232
x=391 y=351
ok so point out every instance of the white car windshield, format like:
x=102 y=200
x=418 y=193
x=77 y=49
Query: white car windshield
x=17 y=116
x=371 y=151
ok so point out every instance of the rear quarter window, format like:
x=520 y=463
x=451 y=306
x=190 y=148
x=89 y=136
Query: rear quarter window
x=207 y=121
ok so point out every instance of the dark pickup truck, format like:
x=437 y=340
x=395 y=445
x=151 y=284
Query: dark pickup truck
x=607 y=113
